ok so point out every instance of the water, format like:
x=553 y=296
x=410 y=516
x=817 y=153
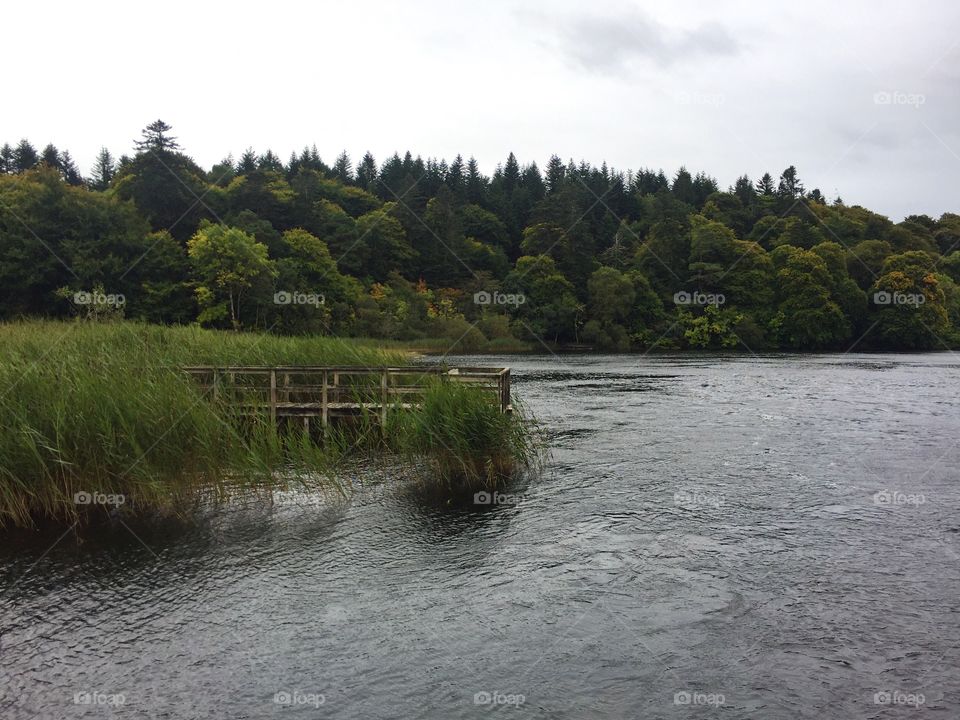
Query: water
x=707 y=530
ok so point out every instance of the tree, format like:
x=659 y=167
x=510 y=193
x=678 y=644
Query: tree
x=343 y=168
x=24 y=156
x=7 y=164
x=807 y=317
x=765 y=185
x=155 y=138
x=104 y=168
x=908 y=304
x=367 y=173
x=789 y=186
x=227 y=263
x=610 y=306
x=550 y=310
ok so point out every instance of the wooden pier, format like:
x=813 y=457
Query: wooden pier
x=305 y=392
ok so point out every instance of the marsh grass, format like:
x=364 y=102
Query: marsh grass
x=103 y=409
x=464 y=439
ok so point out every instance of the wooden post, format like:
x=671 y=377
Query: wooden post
x=286 y=386
x=383 y=398
x=505 y=390
x=273 y=396
x=324 y=405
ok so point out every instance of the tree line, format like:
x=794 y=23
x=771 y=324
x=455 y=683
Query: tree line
x=412 y=248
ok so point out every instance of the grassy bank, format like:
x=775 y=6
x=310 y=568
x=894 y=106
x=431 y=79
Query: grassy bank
x=94 y=413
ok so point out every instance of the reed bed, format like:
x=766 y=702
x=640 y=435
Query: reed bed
x=97 y=418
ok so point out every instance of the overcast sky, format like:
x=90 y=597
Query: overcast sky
x=861 y=96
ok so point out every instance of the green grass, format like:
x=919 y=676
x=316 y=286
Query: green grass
x=104 y=409
x=464 y=439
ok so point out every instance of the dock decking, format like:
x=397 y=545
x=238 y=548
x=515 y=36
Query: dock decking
x=327 y=392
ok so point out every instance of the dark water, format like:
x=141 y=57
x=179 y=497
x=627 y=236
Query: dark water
x=708 y=530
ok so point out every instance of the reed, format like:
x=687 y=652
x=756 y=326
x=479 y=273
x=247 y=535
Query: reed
x=95 y=413
x=464 y=439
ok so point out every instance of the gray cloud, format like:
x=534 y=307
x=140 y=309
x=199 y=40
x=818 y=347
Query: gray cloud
x=610 y=44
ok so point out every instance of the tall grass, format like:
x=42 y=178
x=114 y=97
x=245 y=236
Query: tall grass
x=464 y=439
x=103 y=410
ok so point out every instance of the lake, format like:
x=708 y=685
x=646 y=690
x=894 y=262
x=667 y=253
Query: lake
x=736 y=537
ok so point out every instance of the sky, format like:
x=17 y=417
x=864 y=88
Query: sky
x=862 y=97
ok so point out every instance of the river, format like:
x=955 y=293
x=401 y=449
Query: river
x=735 y=537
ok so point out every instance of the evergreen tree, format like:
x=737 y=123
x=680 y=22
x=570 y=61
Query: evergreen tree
x=765 y=185
x=103 y=170
x=248 y=162
x=24 y=156
x=745 y=191
x=790 y=186
x=156 y=138
x=50 y=156
x=367 y=172
x=555 y=173
x=6 y=159
x=343 y=168
x=69 y=169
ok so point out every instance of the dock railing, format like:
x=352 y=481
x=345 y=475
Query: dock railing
x=306 y=392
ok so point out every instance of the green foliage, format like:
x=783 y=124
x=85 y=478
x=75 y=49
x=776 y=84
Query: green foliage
x=399 y=250
x=229 y=263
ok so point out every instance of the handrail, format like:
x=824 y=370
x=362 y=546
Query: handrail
x=287 y=390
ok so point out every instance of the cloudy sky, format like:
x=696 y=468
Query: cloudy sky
x=861 y=96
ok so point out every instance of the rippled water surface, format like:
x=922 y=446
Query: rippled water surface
x=773 y=537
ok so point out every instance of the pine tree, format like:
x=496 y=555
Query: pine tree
x=50 y=156
x=156 y=138
x=511 y=174
x=790 y=185
x=269 y=161
x=24 y=156
x=6 y=159
x=367 y=172
x=745 y=191
x=682 y=187
x=103 y=170
x=555 y=173
x=343 y=168
x=475 y=183
x=248 y=162
x=765 y=185
x=69 y=169
x=455 y=175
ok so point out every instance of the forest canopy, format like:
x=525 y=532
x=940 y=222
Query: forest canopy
x=410 y=248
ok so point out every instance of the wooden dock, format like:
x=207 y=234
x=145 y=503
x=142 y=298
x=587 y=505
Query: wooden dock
x=306 y=392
